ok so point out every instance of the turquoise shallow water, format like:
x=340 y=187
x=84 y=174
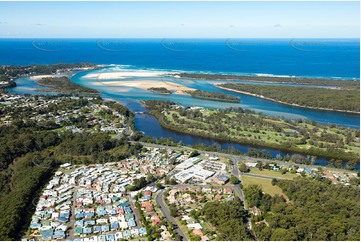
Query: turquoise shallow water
x=247 y=102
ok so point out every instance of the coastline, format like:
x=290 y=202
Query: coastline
x=145 y=85
x=124 y=74
x=38 y=77
x=330 y=82
x=289 y=104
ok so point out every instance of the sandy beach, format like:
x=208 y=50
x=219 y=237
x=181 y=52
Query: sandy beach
x=146 y=84
x=38 y=77
x=124 y=74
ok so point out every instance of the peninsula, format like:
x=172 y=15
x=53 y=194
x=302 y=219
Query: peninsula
x=272 y=79
x=341 y=100
x=64 y=85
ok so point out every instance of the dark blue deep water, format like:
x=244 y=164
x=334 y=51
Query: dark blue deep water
x=337 y=58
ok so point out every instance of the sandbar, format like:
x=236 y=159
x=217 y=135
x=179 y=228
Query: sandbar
x=38 y=77
x=124 y=74
x=145 y=84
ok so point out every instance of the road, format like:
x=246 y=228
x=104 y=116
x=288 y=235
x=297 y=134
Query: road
x=135 y=211
x=72 y=216
x=262 y=176
x=164 y=209
x=235 y=172
x=239 y=157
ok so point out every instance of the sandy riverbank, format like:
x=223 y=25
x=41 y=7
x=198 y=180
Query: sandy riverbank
x=38 y=77
x=274 y=100
x=124 y=74
x=146 y=84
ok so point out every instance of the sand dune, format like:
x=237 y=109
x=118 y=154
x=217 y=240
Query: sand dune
x=38 y=77
x=124 y=74
x=145 y=84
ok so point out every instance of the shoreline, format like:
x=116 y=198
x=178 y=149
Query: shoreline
x=213 y=76
x=244 y=143
x=124 y=74
x=145 y=85
x=289 y=104
x=38 y=77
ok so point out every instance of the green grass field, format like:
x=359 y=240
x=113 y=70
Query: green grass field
x=275 y=174
x=264 y=183
x=262 y=134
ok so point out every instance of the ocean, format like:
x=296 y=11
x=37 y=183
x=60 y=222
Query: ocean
x=331 y=58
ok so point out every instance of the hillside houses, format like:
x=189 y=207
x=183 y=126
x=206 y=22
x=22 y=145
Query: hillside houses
x=89 y=199
x=91 y=114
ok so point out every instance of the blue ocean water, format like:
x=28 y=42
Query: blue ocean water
x=336 y=58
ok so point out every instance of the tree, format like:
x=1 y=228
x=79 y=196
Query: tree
x=173 y=181
x=228 y=218
x=259 y=165
x=233 y=179
x=281 y=234
x=194 y=153
x=159 y=186
x=173 y=211
x=243 y=168
x=253 y=195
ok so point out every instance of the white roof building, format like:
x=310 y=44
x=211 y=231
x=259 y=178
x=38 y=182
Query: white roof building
x=187 y=163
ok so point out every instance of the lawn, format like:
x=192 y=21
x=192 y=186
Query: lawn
x=275 y=174
x=264 y=183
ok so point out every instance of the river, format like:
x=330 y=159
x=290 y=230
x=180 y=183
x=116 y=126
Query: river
x=150 y=126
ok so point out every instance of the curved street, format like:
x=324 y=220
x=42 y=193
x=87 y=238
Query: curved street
x=166 y=213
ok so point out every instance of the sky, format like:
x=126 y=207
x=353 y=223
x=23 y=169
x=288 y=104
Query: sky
x=179 y=19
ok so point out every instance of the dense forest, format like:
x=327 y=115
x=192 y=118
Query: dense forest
x=5 y=81
x=333 y=99
x=18 y=71
x=31 y=151
x=246 y=127
x=218 y=96
x=160 y=90
x=318 y=210
x=276 y=79
x=229 y=218
x=64 y=85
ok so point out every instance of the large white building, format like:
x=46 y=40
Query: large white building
x=187 y=163
x=196 y=172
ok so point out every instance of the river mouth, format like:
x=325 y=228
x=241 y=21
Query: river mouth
x=110 y=89
x=131 y=96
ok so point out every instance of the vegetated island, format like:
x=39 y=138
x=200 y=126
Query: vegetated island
x=160 y=90
x=249 y=128
x=274 y=79
x=64 y=85
x=341 y=100
x=218 y=96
